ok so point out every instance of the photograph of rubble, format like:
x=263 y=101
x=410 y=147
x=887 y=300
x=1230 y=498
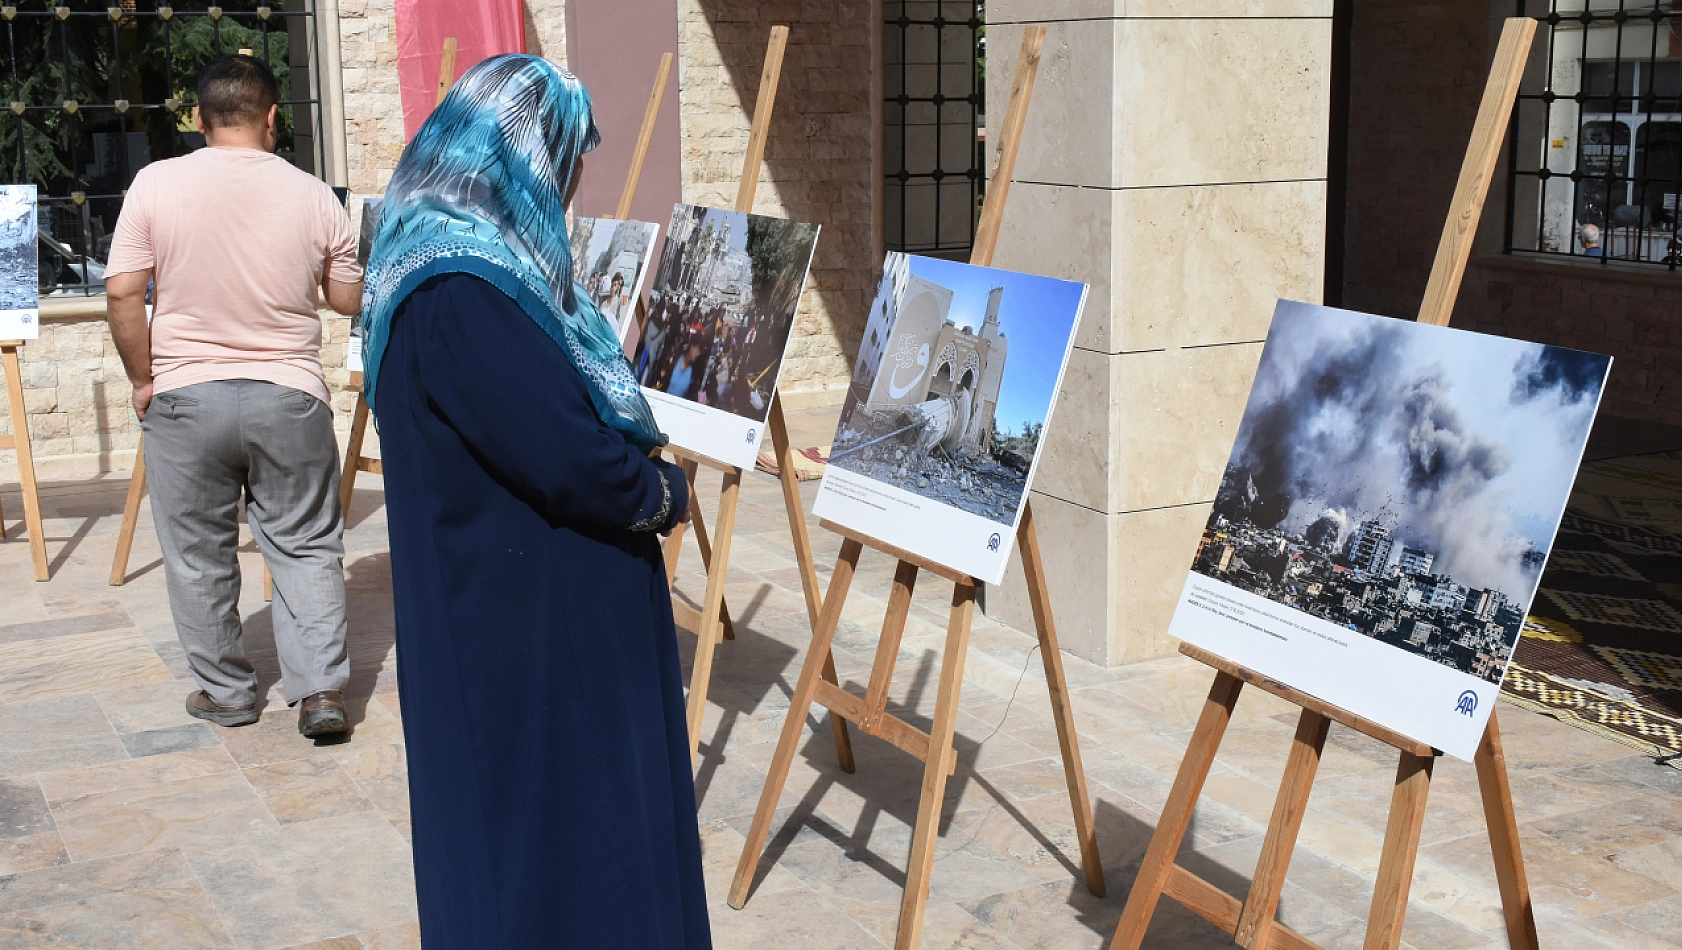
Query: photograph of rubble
x=20 y=272
x=1402 y=482
x=954 y=382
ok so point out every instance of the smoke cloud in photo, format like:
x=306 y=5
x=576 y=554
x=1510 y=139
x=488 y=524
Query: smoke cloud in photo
x=1465 y=445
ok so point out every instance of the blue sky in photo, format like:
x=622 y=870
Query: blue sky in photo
x=1037 y=315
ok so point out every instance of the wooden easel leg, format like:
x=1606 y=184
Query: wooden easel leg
x=26 y=462
x=699 y=522
x=131 y=515
x=1062 y=712
x=700 y=675
x=674 y=541
x=353 y=454
x=1171 y=828
x=810 y=584
x=1255 y=924
x=795 y=723
x=941 y=752
x=1491 y=761
x=268 y=584
x=1401 y=847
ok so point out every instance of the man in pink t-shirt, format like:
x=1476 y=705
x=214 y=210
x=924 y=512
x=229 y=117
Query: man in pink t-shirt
x=238 y=244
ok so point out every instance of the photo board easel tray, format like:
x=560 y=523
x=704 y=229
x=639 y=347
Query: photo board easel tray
x=1253 y=920
x=869 y=713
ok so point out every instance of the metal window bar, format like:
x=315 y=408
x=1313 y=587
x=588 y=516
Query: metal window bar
x=1610 y=105
x=71 y=258
x=933 y=69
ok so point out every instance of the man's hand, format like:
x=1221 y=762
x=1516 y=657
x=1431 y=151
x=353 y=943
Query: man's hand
x=142 y=399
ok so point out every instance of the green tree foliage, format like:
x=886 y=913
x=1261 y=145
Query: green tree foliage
x=779 y=250
x=96 y=61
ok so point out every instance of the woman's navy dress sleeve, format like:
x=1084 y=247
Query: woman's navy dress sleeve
x=551 y=795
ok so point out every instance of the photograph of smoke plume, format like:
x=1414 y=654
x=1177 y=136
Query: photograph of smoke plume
x=955 y=378
x=20 y=271
x=609 y=261
x=721 y=308
x=1402 y=481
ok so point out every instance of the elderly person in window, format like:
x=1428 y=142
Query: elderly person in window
x=1589 y=237
x=548 y=756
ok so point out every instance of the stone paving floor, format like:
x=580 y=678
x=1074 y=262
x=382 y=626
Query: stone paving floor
x=124 y=823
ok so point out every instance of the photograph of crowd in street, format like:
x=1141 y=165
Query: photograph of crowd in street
x=723 y=302
x=1403 y=481
x=955 y=378
x=609 y=261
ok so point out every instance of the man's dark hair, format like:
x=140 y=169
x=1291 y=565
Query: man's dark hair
x=236 y=90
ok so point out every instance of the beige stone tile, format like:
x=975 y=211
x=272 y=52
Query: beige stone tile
x=796 y=919
x=174 y=915
x=1153 y=554
x=401 y=937
x=721 y=852
x=279 y=886
x=306 y=789
x=1068 y=138
x=1608 y=830
x=381 y=774
x=1574 y=883
x=32 y=853
x=1662 y=862
x=1234 y=100
x=33 y=669
x=1073 y=540
x=72 y=882
x=163 y=814
x=1176 y=414
x=1078 y=444
x=69 y=784
x=336 y=943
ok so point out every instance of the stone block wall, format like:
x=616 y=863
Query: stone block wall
x=819 y=161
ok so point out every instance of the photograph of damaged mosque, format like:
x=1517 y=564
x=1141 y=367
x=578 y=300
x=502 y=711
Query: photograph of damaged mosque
x=954 y=380
x=609 y=260
x=20 y=271
x=719 y=315
x=1403 y=481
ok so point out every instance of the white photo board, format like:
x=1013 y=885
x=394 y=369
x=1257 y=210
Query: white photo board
x=1383 y=522
x=20 y=275
x=718 y=321
x=942 y=426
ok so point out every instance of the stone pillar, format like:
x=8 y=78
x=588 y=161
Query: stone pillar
x=1174 y=160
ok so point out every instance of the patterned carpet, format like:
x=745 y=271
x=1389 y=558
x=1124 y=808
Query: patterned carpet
x=1602 y=648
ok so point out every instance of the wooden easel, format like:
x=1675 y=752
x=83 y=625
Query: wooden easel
x=712 y=621
x=935 y=747
x=19 y=440
x=355 y=461
x=1252 y=921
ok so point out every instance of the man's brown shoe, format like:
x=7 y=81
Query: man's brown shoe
x=199 y=705
x=322 y=714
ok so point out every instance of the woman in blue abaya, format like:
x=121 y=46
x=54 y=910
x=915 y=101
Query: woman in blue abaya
x=549 y=773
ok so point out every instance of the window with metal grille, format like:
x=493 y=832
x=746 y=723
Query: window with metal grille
x=96 y=91
x=931 y=125
x=1596 y=149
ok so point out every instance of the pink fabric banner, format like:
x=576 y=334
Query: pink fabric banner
x=482 y=28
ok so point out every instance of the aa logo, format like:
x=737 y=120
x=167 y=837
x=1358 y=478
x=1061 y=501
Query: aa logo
x=994 y=542
x=752 y=434
x=1468 y=703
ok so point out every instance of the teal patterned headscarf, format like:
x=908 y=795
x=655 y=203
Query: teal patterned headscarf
x=482 y=191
